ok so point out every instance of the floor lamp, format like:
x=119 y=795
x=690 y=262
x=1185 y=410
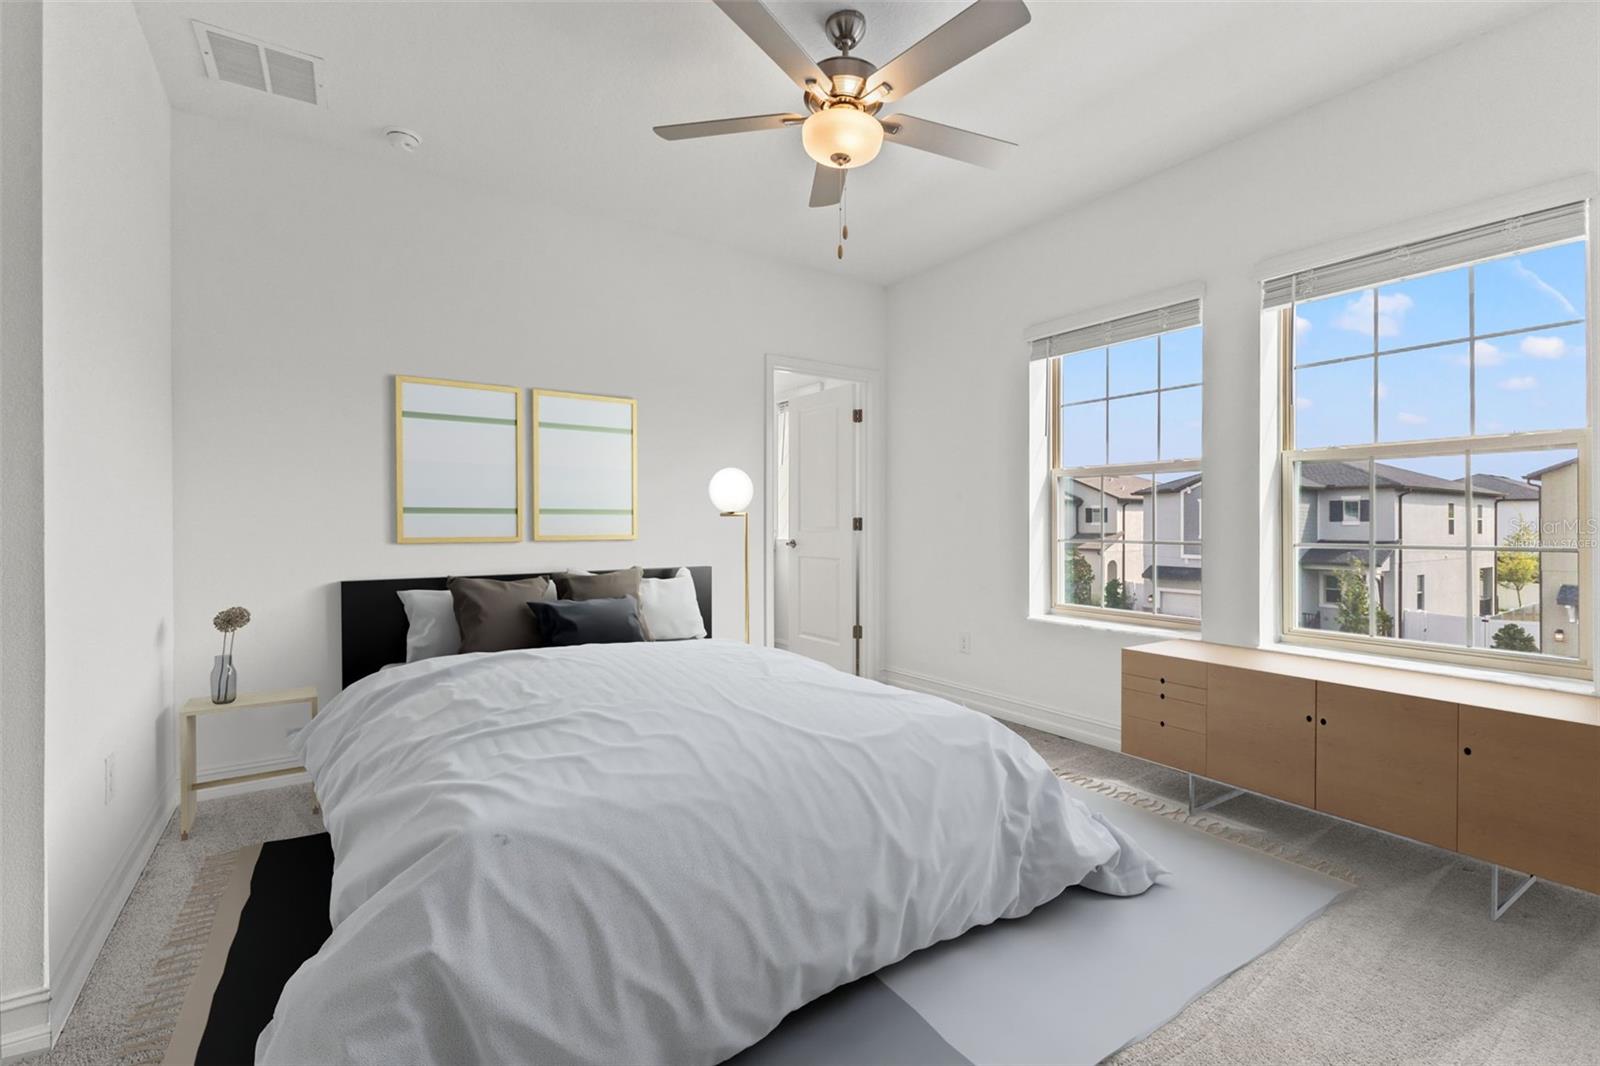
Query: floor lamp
x=731 y=491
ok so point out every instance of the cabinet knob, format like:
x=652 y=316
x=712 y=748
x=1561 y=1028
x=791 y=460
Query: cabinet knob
x=1162 y=696
x=1322 y=721
x=1163 y=725
x=1466 y=751
x=1308 y=718
x=1163 y=681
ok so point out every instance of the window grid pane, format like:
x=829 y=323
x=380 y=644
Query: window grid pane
x=1461 y=551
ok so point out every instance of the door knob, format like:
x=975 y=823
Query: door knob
x=789 y=542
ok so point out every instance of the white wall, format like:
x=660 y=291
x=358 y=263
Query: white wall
x=1466 y=125
x=305 y=277
x=24 y=998
x=108 y=471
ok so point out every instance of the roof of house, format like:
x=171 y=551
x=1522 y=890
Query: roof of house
x=1177 y=485
x=1174 y=573
x=1127 y=487
x=1509 y=488
x=1323 y=558
x=1552 y=468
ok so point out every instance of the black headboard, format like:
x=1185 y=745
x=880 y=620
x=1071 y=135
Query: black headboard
x=372 y=626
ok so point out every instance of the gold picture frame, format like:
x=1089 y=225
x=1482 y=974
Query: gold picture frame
x=456 y=447
x=578 y=460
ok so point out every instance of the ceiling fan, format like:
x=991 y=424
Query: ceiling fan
x=844 y=94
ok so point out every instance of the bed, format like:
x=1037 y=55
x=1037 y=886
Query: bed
x=648 y=852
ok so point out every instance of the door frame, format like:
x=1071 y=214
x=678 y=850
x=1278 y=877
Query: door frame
x=869 y=493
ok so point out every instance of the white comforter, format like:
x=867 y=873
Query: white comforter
x=653 y=852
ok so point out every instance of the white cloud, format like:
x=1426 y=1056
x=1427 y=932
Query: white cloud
x=1407 y=418
x=1303 y=402
x=1487 y=354
x=1544 y=286
x=1522 y=384
x=1302 y=326
x=1392 y=307
x=1543 y=347
x=1383 y=391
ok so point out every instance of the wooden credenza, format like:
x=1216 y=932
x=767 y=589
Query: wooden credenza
x=1503 y=773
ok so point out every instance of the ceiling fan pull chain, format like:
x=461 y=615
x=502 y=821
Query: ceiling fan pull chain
x=844 y=219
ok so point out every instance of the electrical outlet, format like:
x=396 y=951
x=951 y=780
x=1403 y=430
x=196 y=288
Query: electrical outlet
x=111 y=777
x=964 y=646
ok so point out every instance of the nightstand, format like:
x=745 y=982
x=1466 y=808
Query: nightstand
x=202 y=705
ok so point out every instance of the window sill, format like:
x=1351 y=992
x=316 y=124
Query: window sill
x=1154 y=631
x=1548 y=682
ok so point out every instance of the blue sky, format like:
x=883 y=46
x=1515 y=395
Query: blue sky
x=1530 y=380
x=1132 y=367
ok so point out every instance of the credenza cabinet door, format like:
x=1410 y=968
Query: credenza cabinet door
x=1530 y=795
x=1388 y=761
x=1261 y=733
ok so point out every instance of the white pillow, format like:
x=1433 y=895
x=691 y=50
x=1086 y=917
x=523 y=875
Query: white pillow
x=432 y=630
x=669 y=608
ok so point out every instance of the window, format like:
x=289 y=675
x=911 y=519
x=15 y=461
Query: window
x=1124 y=425
x=1424 y=383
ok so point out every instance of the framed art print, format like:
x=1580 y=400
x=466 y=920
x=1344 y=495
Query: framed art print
x=457 y=461
x=585 y=467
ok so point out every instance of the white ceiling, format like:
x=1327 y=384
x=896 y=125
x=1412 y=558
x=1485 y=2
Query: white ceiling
x=556 y=101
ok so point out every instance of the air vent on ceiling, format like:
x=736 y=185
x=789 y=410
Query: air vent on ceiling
x=243 y=60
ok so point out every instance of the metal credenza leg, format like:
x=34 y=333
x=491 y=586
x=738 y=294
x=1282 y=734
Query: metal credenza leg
x=1212 y=802
x=1497 y=908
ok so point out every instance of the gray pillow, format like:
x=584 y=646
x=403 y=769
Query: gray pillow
x=565 y=623
x=571 y=586
x=493 y=615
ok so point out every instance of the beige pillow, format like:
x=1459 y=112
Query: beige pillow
x=493 y=615
x=572 y=586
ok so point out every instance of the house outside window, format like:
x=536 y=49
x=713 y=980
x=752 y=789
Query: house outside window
x=1425 y=382
x=1124 y=423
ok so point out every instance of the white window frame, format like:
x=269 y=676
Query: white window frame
x=1060 y=476
x=1338 y=592
x=1576 y=440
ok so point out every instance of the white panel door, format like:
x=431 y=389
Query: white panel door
x=821 y=600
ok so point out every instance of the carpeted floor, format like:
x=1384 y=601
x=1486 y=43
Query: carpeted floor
x=1407 y=968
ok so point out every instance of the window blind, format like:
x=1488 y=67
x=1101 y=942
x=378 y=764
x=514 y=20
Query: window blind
x=1128 y=328
x=1506 y=237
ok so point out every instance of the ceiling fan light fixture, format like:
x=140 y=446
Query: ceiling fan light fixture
x=842 y=137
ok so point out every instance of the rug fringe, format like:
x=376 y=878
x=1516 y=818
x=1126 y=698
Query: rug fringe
x=149 y=1027
x=1252 y=839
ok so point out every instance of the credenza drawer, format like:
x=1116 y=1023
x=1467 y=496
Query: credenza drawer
x=1155 y=708
x=1163 y=668
x=1165 y=744
x=1156 y=687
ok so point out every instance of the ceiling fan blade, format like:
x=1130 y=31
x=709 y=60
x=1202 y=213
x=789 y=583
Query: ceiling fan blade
x=827 y=186
x=762 y=27
x=970 y=32
x=945 y=140
x=748 y=124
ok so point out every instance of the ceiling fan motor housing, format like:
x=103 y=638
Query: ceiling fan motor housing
x=848 y=76
x=846 y=29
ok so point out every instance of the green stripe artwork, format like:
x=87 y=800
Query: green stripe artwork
x=475 y=419
x=586 y=510
x=625 y=431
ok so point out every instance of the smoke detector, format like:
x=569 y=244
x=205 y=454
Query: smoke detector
x=243 y=60
x=404 y=140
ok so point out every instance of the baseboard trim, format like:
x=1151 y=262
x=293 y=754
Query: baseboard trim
x=254 y=766
x=24 y=1023
x=1010 y=709
x=84 y=948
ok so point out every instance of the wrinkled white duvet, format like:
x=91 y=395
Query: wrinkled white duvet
x=651 y=853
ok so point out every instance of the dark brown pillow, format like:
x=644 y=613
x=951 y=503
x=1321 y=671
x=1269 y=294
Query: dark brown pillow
x=493 y=615
x=602 y=587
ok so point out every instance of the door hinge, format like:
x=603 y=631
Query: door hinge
x=855 y=524
x=855 y=415
x=855 y=631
